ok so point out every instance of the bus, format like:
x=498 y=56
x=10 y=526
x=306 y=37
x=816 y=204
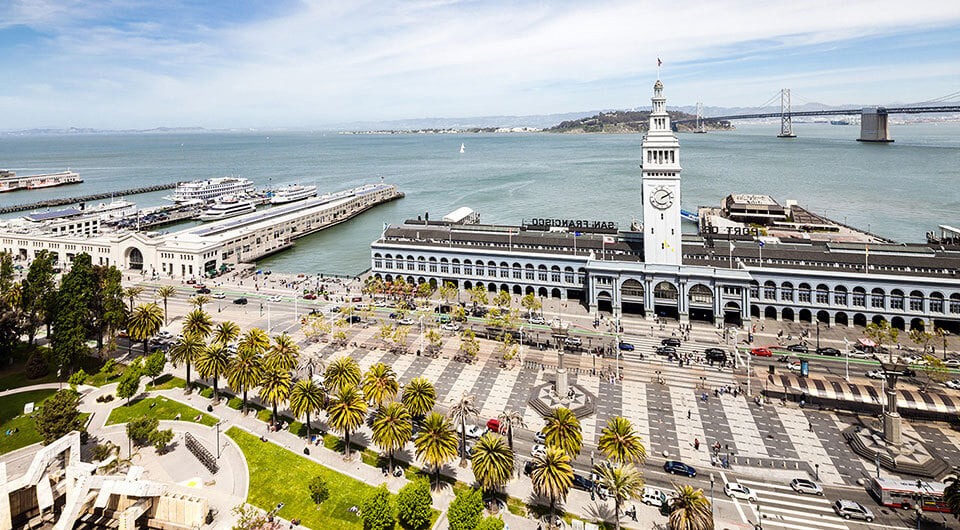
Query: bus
x=905 y=494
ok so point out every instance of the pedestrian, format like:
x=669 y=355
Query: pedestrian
x=696 y=444
x=688 y=414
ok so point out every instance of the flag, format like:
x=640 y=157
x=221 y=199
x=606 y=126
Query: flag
x=867 y=248
x=760 y=243
x=659 y=62
x=667 y=245
x=608 y=240
x=731 y=246
x=577 y=234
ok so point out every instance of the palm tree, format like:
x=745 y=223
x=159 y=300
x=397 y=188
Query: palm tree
x=255 y=339
x=689 y=509
x=459 y=412
x=144 y=322
x=307 y=398
x=197 y=324
x=620 y=443
x=623 y=482
x=380 y=384
x=563 y=431
x=492 y=462
x=226 y=332
x=346 y=412
x=13 y=297
x=166 y=292
x=951 y=494
x=508 y=420
x=187 y=352
x=419 y=396
x=342 y=372
x=213 y=362
x=131 y=293
x=552 y=476
x=436 y=443
x=245 y=372
x=392 y=428
x=275 y=389
x=199 y=300
x=284 y=353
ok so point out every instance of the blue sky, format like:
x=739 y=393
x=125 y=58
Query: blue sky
x=132 y=64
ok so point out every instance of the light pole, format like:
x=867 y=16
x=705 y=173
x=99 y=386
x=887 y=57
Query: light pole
x=711 y=497
x=420 y=320
x=816 y=467
x=818 y=335
x=749 y=377
x=521 y=345
x=218 y=439
x=269 y=327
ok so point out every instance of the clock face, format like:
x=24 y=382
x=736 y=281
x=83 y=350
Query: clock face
x=661 y=198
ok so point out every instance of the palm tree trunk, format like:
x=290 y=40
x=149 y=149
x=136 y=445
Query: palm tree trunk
x=463 y=441
x=274 y=422
x=216 y=394
x=552 y=513
x=145 y=341
x=244 y=401
x=165 y=322
x=308 y=426
x=347 y=434
x=616 y=510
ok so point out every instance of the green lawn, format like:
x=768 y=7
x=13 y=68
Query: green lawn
x=11 y=417
x=165 y=382
x=278 y=475
x=163 y=409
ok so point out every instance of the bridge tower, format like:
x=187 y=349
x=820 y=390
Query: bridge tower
x=700 y=128
x=873 y=125
x=786 y=118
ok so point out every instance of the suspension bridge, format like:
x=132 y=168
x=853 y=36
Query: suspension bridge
x=874 y=126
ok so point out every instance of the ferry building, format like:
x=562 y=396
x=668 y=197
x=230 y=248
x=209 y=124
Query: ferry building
x=655 y=270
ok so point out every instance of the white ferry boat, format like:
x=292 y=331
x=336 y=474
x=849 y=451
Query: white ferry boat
x=228 y=207
x=115 y=209
x=210 y=189
x=293 y=192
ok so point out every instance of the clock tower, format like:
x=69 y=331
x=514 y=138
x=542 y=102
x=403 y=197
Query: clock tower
x=661 y=186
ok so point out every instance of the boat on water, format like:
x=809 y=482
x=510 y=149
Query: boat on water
x=115 y=209
x=839 y=122
x=462 y=148
x=226 y=208
x=211 y=189
x=293 y=192
x=9 y=181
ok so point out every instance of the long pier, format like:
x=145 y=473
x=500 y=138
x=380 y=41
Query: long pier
x=94 y=197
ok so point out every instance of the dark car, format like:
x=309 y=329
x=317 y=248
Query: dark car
x=203 y=290
x=679 y=468
x=716 y=355
x=667 y=350
x=829 y=351
x=581 y=482
x=799 y=348
x=528 y=467
x=670 y=341
x=240 y=301
x=354 y=319
x=395 y=315
x=626 y=346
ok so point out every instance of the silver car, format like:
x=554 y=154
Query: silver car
x=802 y=485
x=852 y=510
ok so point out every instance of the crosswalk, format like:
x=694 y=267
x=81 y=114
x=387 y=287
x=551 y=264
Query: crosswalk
x=779 y=506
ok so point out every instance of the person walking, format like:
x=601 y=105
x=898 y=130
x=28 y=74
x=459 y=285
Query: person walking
x=696 y=444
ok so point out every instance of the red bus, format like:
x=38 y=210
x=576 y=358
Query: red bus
x=906 y=494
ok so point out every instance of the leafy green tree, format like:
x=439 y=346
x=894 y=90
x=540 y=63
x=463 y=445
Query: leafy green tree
x=492 y=462
x=531 y=304
x=469 y=345
x=623 y=482
x=275 y=389
x=72 y=320
x=39 y=293
x=502 y=299
x=187 y=352
x=139 y=430
x=466 y=510
x=37 y=365
x=165 y=293
x=250 y=518
x=154 y=365
x=284 y=354
x=341 y=373
x=419 y=396
x=491 y=523
x=689 y=509
x=129 y=384
x=245 y=372
x=376 y=510
x=436 y=443
x=620 y=443
x=934 y=371
x=463 y=410
x=197 y=324
x=448 y=291
x=306 y=398
x=563 y=431
x=108 y=311
x=478 y=295
x=380 y=384
x=392 y=429
x=58 y=415
x=552 y=476
x=882 y=333
x=144 y=322
x=318 y=490
x=78 y=378
x=199 y=300
x=6 y=271
x=226 y=333
x=346 y=412
x=414 y=504
x=160 y=439
x=213 y=362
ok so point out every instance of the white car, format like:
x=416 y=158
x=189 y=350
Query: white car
x=802 y=485
x=795 y=366
x=536 y=320
x=405 y=322
x=274 y=298
x=739 y=491
x=450 y=326
x=219 y=295
x=538 y=449
x=540 y=438
x=952 y=363
x=875 y=374
x=654 y=497
x=473 y=431
x=954 y=384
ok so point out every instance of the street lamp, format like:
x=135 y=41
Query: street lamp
x=817 y=468
x=218 y=439
x=818 y=335
x=711 y=496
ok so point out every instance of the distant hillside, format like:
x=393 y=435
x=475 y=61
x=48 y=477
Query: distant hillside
x=630 y=121
x=477 y=122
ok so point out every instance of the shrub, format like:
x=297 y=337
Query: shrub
x=58 y=415
x=377 y=510
x=102 y=452
x=264 y=415
x=207 y=393
x=78 y=378
x=318 y=490
x=106 y=398
x=413 y=504
x=140 y=429
x=36 y=366
x=298 y=428
x=235 y=403
x=108 y=367
x=466 y=510
x=491 y=523
x=160 y=439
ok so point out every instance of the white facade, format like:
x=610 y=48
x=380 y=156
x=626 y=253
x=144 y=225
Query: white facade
x=661 y=186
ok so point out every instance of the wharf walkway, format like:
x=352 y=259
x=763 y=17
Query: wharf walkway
x=93 y=197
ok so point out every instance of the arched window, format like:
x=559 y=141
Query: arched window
x=803 y=293
x=467 y=267
x=455 y=264
x=786 y=291
x=444 y=266
x=876 y=298
x=517 y=271
x=504 y=269
x=542 y=273
x=555 y=274
x=955 y=304
x=916 y=301
x=701 y=294
x=432 y=264
x=421 y=264
x=479 y=265
x=568 y=274
x=896 y=299
x=859 y=297
x=769 y=290
x=528 y=272
x=754 y=289
x=936 y=302
x=665 y=291
x=840 y=295
x=823 y=294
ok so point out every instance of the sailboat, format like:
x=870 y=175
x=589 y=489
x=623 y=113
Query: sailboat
x=462 y=148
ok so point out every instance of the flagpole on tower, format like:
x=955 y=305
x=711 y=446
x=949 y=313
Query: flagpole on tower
x=659 y=62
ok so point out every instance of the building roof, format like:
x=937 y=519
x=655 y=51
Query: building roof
x=55 y=214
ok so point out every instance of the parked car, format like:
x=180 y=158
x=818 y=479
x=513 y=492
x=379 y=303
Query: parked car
x=443 y=319
x=626 y=346
x=573 y=341
x=715 y=355
x=954 y=384
x=875 y=374
x=405 y=322
x=240 y=301
x=761 y=352
x=679 y=468
x=354 y=319
x=666 y=350
x=309 y=296
x=198 y=285
x=795 y=366
x=451 y=326
x=799 y=348
x=582 y=483
x=219 y=295
x=828 y=351
x=653 y=497
x=736 y=490
x=538 y=449
x=528 y=467
x=473 y=431
x=952 y=363
x=802 y=485
x=670 y=341
x=275 y=298
x=493 y=425
x=537 y=320
x=540 y=438
x=852 y=510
